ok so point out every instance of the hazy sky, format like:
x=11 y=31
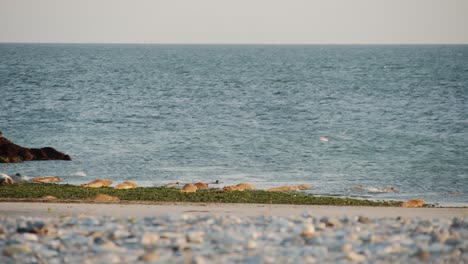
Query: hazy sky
x=234 y=21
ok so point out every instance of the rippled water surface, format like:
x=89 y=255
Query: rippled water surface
x=394 y=115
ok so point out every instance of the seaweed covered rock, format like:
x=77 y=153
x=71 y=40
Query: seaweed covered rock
x=12 y=153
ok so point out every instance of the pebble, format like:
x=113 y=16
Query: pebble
x=347 y=247
x=199 y=260
x=231 y=239
x=308 y=232
x=149 y=256
x=364 y=220
x=356 y=257
x=251 y=244
x=333 y=222
x=148 y=239
x=423 y=254
x=16 y=249
x=195 y=237
x=30 y=237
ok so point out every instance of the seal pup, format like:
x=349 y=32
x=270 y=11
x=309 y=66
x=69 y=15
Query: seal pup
x=413 y=203
x=127 y=185
x=201 y=185
x=239 y=187
x=47 y=179
x=189 y=188
x=105 y=198
x=172 y=185
x=5 y=179
x=98 y=183
x=304 y=187
x=18 y=178
x=283 y=189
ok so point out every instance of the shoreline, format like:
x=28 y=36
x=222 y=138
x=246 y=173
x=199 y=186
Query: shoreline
x=40 y=208
x=34 y=192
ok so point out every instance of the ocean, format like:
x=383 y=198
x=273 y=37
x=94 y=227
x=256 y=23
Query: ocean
x=393 y=115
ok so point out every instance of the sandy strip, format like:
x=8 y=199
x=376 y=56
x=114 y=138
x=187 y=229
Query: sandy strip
x=16 y=209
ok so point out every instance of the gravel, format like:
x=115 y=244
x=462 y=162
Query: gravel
x=230 y=239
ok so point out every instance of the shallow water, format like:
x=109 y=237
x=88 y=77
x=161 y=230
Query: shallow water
x=394 y=115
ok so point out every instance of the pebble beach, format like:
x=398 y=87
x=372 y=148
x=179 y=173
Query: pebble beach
x=198 y=234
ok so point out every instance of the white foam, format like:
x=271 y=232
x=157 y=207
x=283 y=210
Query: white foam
x=80 y=174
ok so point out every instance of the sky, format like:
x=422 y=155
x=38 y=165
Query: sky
x=235 y=21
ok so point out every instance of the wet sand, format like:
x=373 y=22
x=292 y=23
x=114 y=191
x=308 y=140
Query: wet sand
x=17 y=209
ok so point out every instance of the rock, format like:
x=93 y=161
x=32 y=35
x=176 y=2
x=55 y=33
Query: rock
x=151 y=256
x=456 y=253
x=413 y=203
x=347 y=247
x=16 y=249
x=195 y=237
x=304 y=187
x=35 y=228
x=47 y=179
x=356 y=257
x=321 y=226
x=5 y=179
x=49 y=153
x=308 y=232
x=331 y=222
x=148 y=239
x=251 y=244
x=283 y=189
x=364 y=220
x=452 y=241
x=12 y=153
x=189 y=188
x=105 y=198
x=127 y=185
x=439 y=236
x=423 y=255
x=458 y=223
x=201 y=185
x=199 y=260
x=358 y=187
x=310 y=259
x=98 y=183
x=30 y=237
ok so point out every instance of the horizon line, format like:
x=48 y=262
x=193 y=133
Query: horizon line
x=226 y=43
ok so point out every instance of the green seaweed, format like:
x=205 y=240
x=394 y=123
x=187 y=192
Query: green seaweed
x=162 y=194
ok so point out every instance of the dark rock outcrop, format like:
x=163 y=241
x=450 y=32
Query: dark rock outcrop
x=12 y=153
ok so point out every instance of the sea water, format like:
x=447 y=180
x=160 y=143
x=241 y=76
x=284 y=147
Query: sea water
x=393 y=115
